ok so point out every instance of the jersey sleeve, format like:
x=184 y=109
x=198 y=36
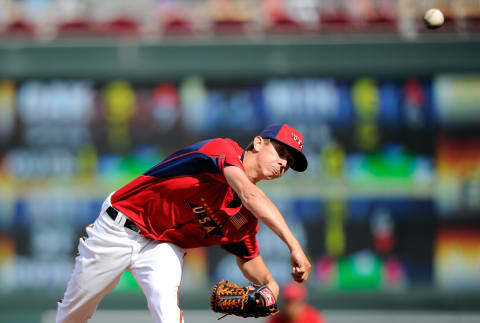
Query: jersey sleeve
x=226 y=150
x=245 y=249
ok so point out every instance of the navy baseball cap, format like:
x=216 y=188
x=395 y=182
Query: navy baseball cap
x=292 y=139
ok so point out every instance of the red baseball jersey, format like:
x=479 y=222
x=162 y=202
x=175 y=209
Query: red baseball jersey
x=187 y=201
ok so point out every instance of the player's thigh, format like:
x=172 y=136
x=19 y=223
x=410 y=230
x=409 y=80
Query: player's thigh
x=158 y=270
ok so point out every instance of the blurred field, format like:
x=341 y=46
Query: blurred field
x=331 y=317
x=418 y=307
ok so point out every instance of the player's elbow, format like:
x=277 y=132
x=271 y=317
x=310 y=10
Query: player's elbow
x=251 y=199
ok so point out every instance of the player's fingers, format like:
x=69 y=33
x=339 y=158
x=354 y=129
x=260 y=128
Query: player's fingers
x=298 y=278
x=305 y=276
x=300 y=269
x=305 y=270
x=297 y=271
x=299 y=274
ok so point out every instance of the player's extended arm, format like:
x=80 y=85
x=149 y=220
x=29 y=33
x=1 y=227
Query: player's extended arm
x=255 y=200
x=257 y=272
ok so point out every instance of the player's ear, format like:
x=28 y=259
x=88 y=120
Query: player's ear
x=257 y=143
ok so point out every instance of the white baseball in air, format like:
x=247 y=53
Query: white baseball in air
x=434 y=18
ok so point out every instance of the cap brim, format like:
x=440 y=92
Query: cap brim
x=300 y=162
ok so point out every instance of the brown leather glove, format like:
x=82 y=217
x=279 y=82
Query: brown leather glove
x=248 y=301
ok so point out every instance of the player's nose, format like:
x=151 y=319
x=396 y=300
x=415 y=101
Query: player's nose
x=283 y=165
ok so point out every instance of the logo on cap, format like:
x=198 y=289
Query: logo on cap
x=297 y=140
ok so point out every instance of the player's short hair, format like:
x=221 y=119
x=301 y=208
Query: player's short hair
x=250 y=145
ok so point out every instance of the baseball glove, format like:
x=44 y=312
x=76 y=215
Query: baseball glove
x=248 y=301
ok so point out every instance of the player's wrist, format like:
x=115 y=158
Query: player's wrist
x=294 y=246
x=273 y=286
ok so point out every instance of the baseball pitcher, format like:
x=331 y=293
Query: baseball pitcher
x=200 y=196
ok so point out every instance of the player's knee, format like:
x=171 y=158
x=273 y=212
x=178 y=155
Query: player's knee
x=163 y=307
x=164 y=297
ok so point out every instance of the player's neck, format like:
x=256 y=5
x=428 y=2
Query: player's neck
x=250 y=167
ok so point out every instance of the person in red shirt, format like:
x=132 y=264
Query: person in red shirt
x=200 y=196
x=295 y=308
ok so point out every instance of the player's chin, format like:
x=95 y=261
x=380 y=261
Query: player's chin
x=273 y=176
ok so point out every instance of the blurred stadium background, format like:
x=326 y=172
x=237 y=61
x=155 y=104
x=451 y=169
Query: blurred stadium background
x=92 y=93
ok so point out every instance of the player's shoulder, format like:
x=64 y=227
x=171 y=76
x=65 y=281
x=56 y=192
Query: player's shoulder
x=222 y=146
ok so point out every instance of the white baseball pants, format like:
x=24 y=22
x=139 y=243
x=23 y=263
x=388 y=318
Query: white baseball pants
x=105 y=254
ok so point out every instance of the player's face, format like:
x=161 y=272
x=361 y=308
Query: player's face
x=275 y=159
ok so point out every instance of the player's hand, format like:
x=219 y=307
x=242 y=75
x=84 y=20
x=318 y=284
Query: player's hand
x=300 y=266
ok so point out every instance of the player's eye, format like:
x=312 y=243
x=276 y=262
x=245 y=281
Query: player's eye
x=283 y=153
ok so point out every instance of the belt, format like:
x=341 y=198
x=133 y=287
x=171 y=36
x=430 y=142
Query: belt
x=128 y=223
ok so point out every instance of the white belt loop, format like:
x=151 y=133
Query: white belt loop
x=121 y=219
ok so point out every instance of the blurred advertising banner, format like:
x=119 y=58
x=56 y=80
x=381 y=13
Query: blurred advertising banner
x=457 y=257
x=456 y=99
x=393 y=172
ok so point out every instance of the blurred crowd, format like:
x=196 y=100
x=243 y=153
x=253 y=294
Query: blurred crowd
x=155 y=18
x=296 y=308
